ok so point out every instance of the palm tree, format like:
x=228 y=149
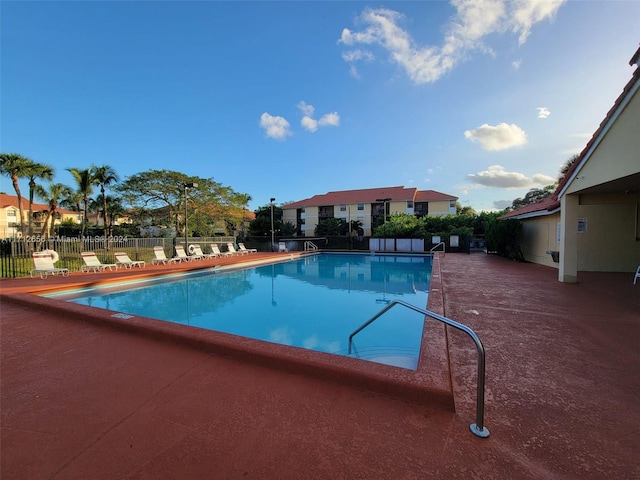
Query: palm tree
x=53 y=196
x=16 y=166
x=105 y=176
x=72 y=201
x=85 y=182
x=115 y=209
x=41 y=172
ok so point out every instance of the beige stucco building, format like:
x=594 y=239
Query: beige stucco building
x=368 y=206
x=593 y=218
x=10 y=216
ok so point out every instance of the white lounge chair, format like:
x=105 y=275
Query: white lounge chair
x=92 y=262
x=43 y=264
x=635 y=279
x=216 y=250
x=245 y=249
x=233 y=250
x=123 y=259
x=196 y=251
x=162 y=258
x=282 y=247
x=180 y=253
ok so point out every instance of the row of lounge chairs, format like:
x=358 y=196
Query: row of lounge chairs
x=44 y=261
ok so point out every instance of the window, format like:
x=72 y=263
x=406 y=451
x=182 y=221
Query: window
x=452 y=204
x=409 y=203
x=343 y=208
x=361 y=206
x=11 y=213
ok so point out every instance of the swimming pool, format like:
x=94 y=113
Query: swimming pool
x=314 y=302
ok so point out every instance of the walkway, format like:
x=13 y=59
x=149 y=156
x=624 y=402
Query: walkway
x=81 y=401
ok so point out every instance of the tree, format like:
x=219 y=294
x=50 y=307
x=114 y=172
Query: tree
x=52 y=195
x=16 y=167
x=534 y=195
x=105 y=176
x=503 y=237
x=244 y=199
x=41 y=172
x=567 y=166
x=115 y=209
x=465 y=210
x=331 y=227
x=261 y=225
x=157 y=196
x=85 y=182
x=400 y=225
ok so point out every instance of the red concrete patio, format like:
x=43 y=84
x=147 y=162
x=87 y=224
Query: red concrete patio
x=86 y=399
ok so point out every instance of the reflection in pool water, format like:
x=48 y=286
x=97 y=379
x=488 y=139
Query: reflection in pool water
x=314 y=302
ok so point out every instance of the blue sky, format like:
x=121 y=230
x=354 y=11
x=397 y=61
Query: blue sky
x=481 y=99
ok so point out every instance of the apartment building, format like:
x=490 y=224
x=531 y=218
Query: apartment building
x=368 y=206
x=10 y=216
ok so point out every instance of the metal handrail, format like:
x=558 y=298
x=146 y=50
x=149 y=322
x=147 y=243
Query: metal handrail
x=477 y=428
x=310 y=246
x=444 y=248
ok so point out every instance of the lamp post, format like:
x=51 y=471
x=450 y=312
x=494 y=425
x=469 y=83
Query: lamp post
x=384 y=207
x=273 y=240
x=187 y=186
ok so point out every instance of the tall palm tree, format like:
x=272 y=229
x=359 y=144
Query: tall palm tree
x=16 y=167
x=41 y=172
x=72 y=201
x=85 y=182
x=53 y=195
x=105 y=176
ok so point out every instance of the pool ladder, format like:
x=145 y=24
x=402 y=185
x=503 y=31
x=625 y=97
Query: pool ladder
x=310 y=246
x=444 y=248
x=477 y=428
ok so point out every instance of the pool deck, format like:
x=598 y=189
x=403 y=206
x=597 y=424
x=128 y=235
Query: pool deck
x=80 y=400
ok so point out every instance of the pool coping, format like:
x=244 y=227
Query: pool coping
x=429 y=384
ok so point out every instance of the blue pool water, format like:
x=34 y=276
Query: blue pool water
x=314 y=302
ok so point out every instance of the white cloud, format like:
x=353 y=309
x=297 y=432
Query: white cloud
x=357 y=54
x=502 y=204
x=543 y=112
x=282 y=335
x=330 y=119
x=306 y=109
x=516 y=64
x=500 y=137
x=474 y=20
x=529 y=12
x=496 y=176
x=274 y=126
x=311 y=124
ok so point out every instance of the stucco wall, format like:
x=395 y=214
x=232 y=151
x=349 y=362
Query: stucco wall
x=609 y=242
x=440 y=208
x=622 y=143
x=539 y=235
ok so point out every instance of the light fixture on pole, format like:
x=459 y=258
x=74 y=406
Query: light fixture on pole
x=273 y=240
x=384 y=206
x=187 y=186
